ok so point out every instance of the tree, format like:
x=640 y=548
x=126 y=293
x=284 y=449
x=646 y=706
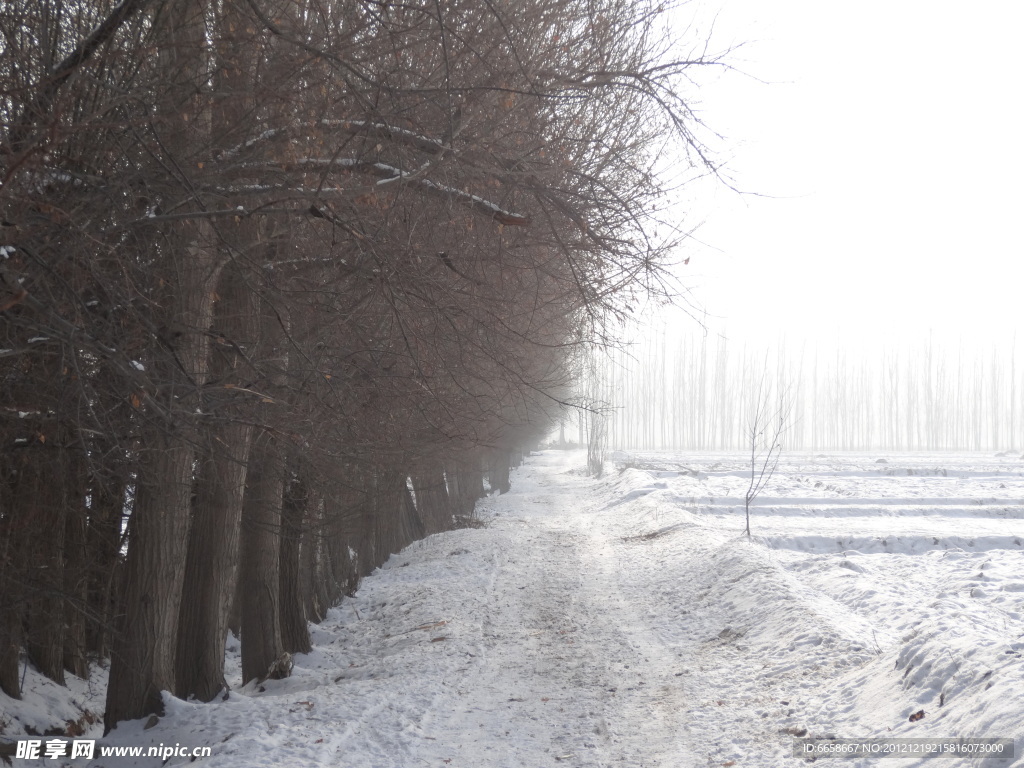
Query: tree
x=768 y=422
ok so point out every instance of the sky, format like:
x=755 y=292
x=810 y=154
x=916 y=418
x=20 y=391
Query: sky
x=879 y=146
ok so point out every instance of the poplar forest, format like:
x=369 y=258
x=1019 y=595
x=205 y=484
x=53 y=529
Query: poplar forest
x=288 y=284
x=696 y=390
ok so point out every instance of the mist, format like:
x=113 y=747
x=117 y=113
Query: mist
x=698 y=391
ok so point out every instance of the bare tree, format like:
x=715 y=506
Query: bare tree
x=262 y=262
x=768 y=422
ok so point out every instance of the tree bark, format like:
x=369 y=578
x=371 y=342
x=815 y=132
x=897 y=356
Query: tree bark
x=497 y=473
x=294 y=629
x=212 y=565
x=212 y=568
x=103 y=537
x=213 y=554
x=12 y=555
x=10 y=647
x=142 y=659
x=465 y=485
x=432 y=501
x=344 y=569
x=76 y=575
x=411 y=527
x=316 y=566
x=365 y=533
x=40 y=495
x=261 y=556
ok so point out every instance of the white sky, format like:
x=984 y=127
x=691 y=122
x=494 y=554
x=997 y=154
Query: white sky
x=890 y=141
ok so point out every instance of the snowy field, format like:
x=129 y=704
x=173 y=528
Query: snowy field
x=627 y=622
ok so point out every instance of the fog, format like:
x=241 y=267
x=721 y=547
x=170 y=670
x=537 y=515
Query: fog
x=862 y=262
x=691 y=390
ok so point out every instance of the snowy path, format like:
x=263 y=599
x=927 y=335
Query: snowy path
x=558 y=667
x=517 y=644
x=626 y=622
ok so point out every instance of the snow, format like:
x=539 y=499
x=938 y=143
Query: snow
x=628 y=622
x=392 y=131
x=390 y=173
x=267 y=134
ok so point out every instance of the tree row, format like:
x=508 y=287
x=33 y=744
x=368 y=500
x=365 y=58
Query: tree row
x=285 y=285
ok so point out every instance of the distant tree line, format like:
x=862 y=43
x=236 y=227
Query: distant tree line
x=684 y=389
x=283 y=285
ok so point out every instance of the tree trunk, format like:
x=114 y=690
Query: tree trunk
x=432 y=501
x=497 y=473
x=12 y=555
x=103 y=537
x=261 y=556
x=212 y=567
x=142 y=659
x=76 y=575
x=344 y=570
x=411 y=527
x=40 y=499
x=387 y=517
x=10 y=647
x=465 y=485
x=235 y=609
x=365 y=533
x=316 y=572
x=294 y=628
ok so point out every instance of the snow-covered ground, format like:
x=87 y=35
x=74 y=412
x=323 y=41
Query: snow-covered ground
x=627 y=622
